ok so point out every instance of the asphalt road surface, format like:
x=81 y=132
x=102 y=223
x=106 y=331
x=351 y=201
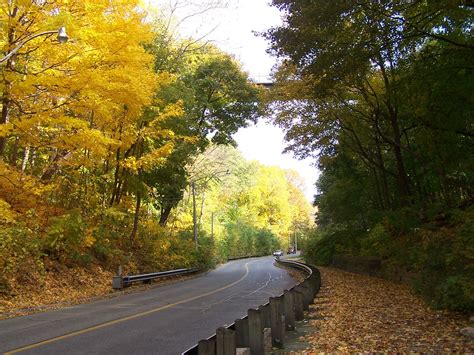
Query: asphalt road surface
x=163 y=320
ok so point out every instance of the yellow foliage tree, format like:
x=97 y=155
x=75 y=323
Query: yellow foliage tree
x=74 y=107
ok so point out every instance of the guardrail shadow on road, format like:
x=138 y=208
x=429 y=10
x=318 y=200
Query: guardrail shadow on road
x=264 y=327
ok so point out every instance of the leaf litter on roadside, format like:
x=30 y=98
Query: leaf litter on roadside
x=359 y=313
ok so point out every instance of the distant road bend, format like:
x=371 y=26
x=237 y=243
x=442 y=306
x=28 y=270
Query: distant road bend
x=163 y=320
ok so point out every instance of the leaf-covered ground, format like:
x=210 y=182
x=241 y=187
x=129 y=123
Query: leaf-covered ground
x=358 y=313
x=54 y=289
x=62 y=286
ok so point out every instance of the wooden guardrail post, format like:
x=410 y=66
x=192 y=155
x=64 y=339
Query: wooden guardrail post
x=307 y=298
x=207 y=347
x=317 y=278
x=266 y=324
x=289 y=307
x=117 y=282
x=255 y=332
x=229 y=342
x=299 y=305
x=306 y=283
x=225 y=341
x=277 y=319
x=265 y=309
x=242 y=333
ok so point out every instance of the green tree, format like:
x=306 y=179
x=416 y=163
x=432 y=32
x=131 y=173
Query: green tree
x=381 y=93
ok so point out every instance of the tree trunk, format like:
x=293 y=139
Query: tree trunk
x=26 y=155
x=402 y=177
x=4 y=115
x=379 y=193
x=136 y=218
x=202 y=207
x=385 y=189
x=116 y=178
x=14 y=152
x=7 y=84
x=165 y=214
x=53 y=168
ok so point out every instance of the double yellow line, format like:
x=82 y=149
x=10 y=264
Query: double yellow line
x=124 y=319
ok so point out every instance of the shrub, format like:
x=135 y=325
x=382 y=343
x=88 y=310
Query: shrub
x=66 y=239
x=157 y=248
x=446 y=261
x=319 y=248
x=20 y=255
x=438 y=255
x=111 y=245
x=376 y=242
x=455 y=293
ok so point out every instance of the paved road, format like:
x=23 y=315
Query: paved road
x=163 y=320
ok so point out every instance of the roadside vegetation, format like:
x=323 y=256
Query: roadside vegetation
x=106 y=139
x=109 y=142
x=381 y=93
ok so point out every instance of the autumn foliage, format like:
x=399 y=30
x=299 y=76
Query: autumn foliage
x=380 y=92
x=98 y=138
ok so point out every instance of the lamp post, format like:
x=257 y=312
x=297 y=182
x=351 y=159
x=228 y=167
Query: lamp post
x=62 y=38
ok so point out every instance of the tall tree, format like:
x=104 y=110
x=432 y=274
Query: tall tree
x=348 y=57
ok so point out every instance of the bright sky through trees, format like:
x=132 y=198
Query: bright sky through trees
x=232 y=28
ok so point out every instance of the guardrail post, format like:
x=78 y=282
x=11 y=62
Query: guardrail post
x=299 y=306
x=277 y=319
x=117 y=282
x=207 y=347
x=317 y=277
x=289 y=306
x=311 y=285
x=225 y=341
x=310 y=289
x=242 y=333
x=267 y=340
x=255 y=332
x=306 y=296
x=229 y=342
x=265 y=309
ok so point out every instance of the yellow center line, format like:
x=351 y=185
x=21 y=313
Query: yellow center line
x=120 y=320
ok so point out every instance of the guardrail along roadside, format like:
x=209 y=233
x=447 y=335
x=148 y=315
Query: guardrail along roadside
x=119 y=281
x=264 y=327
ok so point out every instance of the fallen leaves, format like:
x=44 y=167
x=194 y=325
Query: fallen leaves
x=55 y=289
x=358 y=313
x=63 y=286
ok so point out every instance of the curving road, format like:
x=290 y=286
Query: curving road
x=163 y=320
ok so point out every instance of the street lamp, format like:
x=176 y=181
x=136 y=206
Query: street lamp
x=62 y=38
x=62 y=35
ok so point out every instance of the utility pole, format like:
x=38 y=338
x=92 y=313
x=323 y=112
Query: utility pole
x=212 y=225
x=296 y=242
x=195 y=231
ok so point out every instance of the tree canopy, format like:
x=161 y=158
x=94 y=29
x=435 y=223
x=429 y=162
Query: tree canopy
x=101 y=138
x=381 y=94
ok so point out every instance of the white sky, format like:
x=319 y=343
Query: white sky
x=232 y=29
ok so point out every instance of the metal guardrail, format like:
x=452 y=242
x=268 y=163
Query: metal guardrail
x=119 y=282
x=263 y=328
x=298 y=265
